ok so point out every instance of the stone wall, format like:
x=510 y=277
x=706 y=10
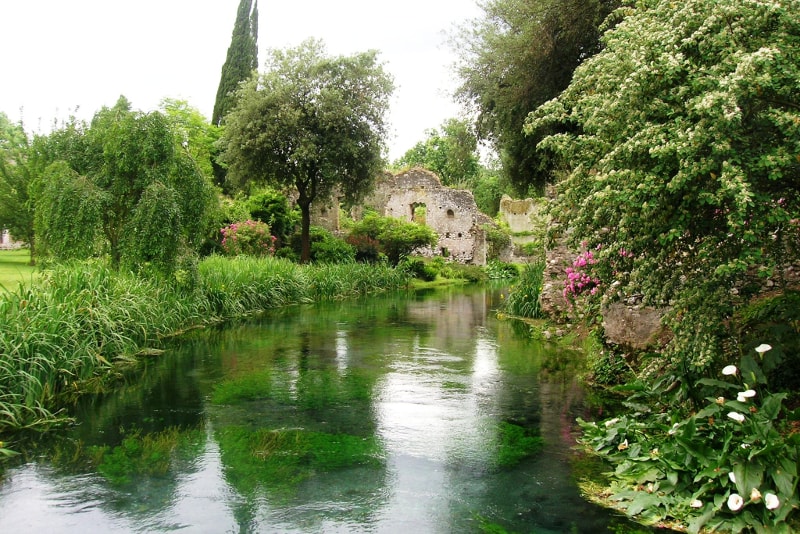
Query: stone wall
x=418 y=195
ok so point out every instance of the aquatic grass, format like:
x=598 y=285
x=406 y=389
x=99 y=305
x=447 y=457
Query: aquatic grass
x=73 y=323
x=251 y=386
x=277 y=460
x=515 y=444
x=145 y=454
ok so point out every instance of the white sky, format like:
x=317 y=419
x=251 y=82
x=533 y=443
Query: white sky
x=59 y=55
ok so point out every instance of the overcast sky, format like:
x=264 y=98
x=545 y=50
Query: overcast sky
x=59 y=55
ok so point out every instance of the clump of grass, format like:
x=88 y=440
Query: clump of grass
x=71 y=324
x=251 y=386
x=524 y=297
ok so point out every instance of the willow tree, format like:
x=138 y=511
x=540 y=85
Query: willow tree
x=123 y=185
x=311 y=123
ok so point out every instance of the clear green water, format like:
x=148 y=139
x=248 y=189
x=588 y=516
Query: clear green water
x=420 y=414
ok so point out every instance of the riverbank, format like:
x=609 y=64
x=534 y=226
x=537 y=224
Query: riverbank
x=77 y=327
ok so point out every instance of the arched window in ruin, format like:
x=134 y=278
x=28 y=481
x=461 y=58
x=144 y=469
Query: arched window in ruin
x=418 y=212
x=450 y=214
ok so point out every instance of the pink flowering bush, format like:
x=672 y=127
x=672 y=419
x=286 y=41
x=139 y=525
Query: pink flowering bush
x=251 y=238
x=580 y=279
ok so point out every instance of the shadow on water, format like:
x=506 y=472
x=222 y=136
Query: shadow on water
x=419 y=413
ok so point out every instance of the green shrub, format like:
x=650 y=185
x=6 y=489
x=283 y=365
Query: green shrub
x=498 y=270
x=395 y=238
x=333 y=250
x=459 y=271
x=418 y=268
x=498 y=239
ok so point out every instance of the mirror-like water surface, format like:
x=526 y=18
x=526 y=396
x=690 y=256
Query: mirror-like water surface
x=389 y=414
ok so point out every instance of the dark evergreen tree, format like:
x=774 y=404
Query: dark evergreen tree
x=241 y=61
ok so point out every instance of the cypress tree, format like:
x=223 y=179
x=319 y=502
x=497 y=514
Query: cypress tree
x=241 y=60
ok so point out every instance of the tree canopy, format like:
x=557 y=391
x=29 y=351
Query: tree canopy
x=684 y=156
x=124 y=184
x=451 y=153
x=520 y=54
x=16 y=175
x=311 y=123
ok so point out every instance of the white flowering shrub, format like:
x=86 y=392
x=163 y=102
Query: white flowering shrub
x=683 y=150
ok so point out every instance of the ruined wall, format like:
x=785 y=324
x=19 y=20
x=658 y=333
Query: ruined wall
x=418 y=195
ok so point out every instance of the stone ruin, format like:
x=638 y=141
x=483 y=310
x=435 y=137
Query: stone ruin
x=417 y=195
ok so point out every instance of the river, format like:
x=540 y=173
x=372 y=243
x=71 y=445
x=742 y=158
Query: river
x=389 y=414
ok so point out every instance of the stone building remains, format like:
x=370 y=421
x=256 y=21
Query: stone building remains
x=417 y=195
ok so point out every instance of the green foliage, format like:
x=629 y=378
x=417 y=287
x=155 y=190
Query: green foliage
x=17 y=173
x=143 y=455
x=273 y=208
x=498 y=270
x=312 y=123
x=332 y=250
x=419 y=268
x=497 y=238
x=80 y=322
x=518 y=55
x=451 y=154
x=274 y=461
x=395 y=238
x=251 y=238
x=683 y=158
x=472 y=274
x=777 y=318
x=193 y=132
x=122 y=186
x=240 y=61
x=488 y=189
x=524 y=296
x=730 y=466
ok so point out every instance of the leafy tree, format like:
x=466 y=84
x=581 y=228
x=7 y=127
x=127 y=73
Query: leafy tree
x=124 y=183
x=194 y=132
x=519 y=55
x=311 y=122
x=16 y=175
x=394 y=237
x=241 y=60
x=684 y=166
x=451 y=154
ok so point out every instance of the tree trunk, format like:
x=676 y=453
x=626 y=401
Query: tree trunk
x=305 y=234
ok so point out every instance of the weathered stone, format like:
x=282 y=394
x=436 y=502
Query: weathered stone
x=418 y=195
x=637 y=327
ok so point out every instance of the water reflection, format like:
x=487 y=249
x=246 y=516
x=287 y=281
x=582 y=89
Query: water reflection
x=391 y=414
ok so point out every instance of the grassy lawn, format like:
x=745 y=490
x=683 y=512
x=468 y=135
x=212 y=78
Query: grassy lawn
x=14 y=268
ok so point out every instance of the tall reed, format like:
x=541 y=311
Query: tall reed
x=524 y=298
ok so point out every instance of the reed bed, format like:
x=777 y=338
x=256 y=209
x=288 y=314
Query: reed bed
x=79 y=321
